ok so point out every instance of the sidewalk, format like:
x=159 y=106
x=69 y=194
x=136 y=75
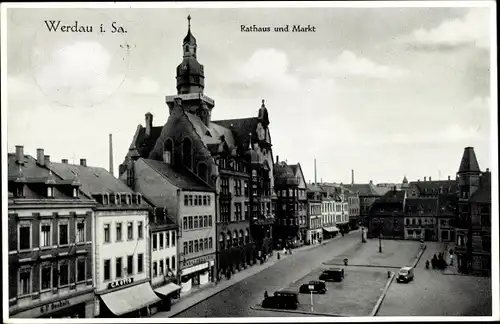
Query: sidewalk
x=197 y=295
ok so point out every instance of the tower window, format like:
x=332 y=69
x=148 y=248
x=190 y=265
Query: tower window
x=186 y=153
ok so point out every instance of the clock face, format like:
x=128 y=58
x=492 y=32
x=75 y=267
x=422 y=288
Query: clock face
x=261 y=133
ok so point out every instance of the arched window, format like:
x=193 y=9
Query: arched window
x=168 y=150
x=221 y=241
x=247 y=237
x=228 y=239
x=203 y=171
x=241 y=237
x=235 y=238
x=187 y=160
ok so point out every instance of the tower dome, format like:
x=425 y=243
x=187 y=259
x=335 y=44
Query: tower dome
x=190 y=73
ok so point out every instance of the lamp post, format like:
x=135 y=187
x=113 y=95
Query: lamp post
x=380 y=237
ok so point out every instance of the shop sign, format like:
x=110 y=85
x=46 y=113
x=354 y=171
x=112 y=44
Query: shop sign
x=120 y=283
x=54 y=306
x=197 y=261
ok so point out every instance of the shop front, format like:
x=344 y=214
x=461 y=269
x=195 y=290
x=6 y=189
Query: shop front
x=167 y=292
x=314 y=236
x=198 y=271
x=329 y=232
x=127 y=299
x=81 y=306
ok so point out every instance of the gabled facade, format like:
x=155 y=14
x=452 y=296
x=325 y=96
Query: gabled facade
x=50 y=241
x=314 y=214
x=421 y=218
x=368 y=194
x=387 y=215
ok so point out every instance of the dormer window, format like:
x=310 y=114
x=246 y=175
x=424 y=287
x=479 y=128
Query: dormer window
x=20 y=190
x=105 y=199
x=129 y=198
x=50 y=192
x=75 y=192
x=139 y=199
x=117 y=199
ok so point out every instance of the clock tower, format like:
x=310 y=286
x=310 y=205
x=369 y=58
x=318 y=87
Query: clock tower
x=191 y=81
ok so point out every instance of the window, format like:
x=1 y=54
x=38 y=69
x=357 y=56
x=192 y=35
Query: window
x=247 y=237
x=185 y=248
x=107 y=238
x=237 y=211
x=221 y=241
x=224 y=186
x=224 y=212
x=130 y=264
x=210 y=243
x=204 y=200
x=186 y=200
x=190 y=246
x=167 y=239
x=235 y=238
x=130 y=231
x=190 y=222
x=140 y=263
x=205 y=243
x=167 y=264
x=80 y=270
x=407 y=221
x=195 y=246
x=50 y=192
x=118 y=232
x=241 y=238
x=161 y=267
x=63 y=273
x=24 y=281
x=210 y=220
x=173 y=262
x=63 y=234
x=195 y=221
x=45 y=235
x=196 y=200
x=237 y=187
x=228 y=239
x=190 y=200
x=45 y=277
x=155 y=269
x=140 y=229
x=246 y=211
x=173 y=238
x=107 y=269
x=80 y=231
x=184 y=223
x=160 y=235
x=118 y=267
x=155 y=242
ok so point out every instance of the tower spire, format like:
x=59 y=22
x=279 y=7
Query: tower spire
x=189 y=22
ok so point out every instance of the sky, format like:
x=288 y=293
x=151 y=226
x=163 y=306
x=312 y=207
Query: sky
x=386 y=92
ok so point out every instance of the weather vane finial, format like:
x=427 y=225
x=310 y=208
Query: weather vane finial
x=189 y=21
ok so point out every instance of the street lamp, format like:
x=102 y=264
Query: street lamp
x=381 y=226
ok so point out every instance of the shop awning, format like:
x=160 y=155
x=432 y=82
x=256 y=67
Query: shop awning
x=130 y=299
x=167 y=289
x=332 y=229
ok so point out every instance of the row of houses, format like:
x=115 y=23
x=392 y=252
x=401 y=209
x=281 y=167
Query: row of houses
x=456 y=210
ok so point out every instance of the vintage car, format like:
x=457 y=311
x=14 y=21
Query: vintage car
x=283 y=299
x=333 y=274
x=405 y=274
x=315 y=286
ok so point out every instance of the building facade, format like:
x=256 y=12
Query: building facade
x=387 y=215
x=121 y=249
x=421 y=218
x=353 y=209
x=368 y=194
x=473 y=222
x=314 y=215
x=50 y=241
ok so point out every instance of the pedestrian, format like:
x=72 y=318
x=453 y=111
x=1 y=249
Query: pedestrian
x=451 y=259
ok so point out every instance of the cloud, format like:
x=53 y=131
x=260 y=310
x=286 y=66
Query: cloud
x=348 y=64
x=472 y=29
x=77 y=75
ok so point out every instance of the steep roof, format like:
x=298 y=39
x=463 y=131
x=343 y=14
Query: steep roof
x=429 y=186
x=179 y=177
x=424 y=204
x=367 y=189
x=469 y=161
x=483 y=194
x=314 y=188
x=241 y=128
x=144 y=144
x=392 y=196
x=92 y=179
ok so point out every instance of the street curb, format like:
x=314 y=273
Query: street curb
x=382 y=296
x=259 y=308
x=361 y=265
x=419 y=256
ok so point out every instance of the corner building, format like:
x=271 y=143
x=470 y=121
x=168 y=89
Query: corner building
x=231 y=158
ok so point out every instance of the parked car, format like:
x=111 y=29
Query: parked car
x=405 y=274
x=283 y=299
x=334 y=274
x=318 y=286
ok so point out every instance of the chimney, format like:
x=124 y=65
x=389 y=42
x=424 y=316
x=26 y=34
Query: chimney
x=487 y=170
x=39 y=156
x=277 y=159
x=65 y=161
x=83 y=162
x=425 y=178
x=418 y=180
x=352 y=176
x=315 y=174
x=449 y=178
x=20 y=154
x=111 y=154
x=46 y=160
x=149 y=123
x=430 y=179
x=371 y=181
